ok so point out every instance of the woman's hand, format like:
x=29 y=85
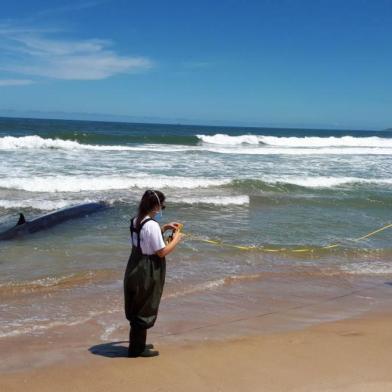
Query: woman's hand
x=171 y=226
x=177 y=236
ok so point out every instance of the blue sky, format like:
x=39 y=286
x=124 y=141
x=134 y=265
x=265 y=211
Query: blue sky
x=319 y=63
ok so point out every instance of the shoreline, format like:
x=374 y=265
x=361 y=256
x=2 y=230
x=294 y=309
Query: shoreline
x=301 y=296
x=269 y=332
x=346 y=355
x=241 y=308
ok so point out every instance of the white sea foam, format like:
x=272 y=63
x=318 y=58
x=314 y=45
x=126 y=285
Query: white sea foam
x=109 y=329
x=53 y=184
x=85 y=183
x=227 y=140
x=37 y=142
x=313 y=141
x=218 y=200
x=49 y=205
x=297 y=142
x=328 y=182
x=223 y=144
x=43 y=205
x=37 y=326
x=214 y=284
x=47 y=281
x=368 y=268
x=323 y=181
x=271 y=150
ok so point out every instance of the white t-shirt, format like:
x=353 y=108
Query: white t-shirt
x=150 y=237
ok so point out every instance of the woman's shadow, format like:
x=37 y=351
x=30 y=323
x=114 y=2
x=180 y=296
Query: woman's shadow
x=110 y=350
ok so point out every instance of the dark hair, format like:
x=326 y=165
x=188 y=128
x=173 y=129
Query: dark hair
x=148 y=202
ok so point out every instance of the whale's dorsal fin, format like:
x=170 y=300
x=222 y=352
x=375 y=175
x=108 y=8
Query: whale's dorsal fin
x=21 y=220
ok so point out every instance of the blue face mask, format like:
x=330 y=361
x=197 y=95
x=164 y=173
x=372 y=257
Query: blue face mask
x=158 y=216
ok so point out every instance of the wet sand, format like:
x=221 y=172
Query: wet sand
x=299 y=330
x=347 y=355
x=280 y=332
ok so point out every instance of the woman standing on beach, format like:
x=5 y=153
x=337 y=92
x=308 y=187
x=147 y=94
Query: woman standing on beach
x=145 y=273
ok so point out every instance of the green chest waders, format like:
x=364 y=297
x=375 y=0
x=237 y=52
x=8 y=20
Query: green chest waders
x=143 y=285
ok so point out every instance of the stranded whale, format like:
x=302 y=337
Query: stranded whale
x=45 y=221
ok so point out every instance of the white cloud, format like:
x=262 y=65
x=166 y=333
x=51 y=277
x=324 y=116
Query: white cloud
x=40 y=54
x=15 y=82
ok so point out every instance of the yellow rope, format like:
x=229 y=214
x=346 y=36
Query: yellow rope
x=373 y=232
x=261 y=248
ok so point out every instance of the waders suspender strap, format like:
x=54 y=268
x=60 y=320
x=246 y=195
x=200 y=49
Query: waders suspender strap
x=137 y=231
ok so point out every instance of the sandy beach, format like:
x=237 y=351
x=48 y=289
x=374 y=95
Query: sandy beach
x=248 y=335
x=347 y=355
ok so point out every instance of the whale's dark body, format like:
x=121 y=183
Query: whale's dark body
x=49 y=220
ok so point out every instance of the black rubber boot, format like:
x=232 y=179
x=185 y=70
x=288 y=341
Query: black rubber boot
x=137 y=341
x=149 y=353
x=137 y=344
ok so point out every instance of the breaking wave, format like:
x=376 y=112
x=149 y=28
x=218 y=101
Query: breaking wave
x=43 y=205
x=63 y=183
x=221 y=143
x=37 y=142
x=302 y=142
x=85 y=183
x=290 y=184
x=218 y=200
x=227 y=140
x=329 y=182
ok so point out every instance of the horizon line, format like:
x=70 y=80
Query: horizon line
x=162 y=121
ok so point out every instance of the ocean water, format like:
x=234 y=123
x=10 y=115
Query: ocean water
x=279 y=190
